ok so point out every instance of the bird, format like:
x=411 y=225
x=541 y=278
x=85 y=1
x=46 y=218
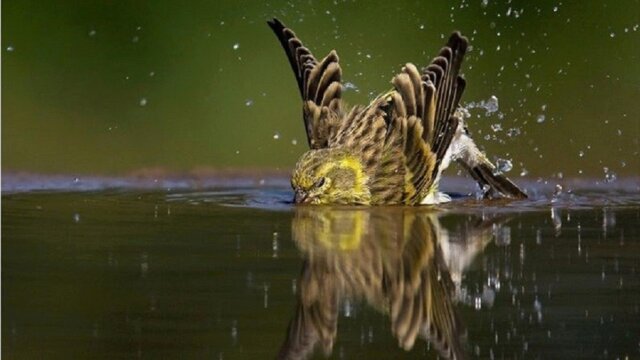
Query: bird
x=393 y=150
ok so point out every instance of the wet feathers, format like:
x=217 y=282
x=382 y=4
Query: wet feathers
x=399 y=140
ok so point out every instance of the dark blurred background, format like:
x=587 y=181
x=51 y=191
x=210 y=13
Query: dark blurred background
x=112 y=87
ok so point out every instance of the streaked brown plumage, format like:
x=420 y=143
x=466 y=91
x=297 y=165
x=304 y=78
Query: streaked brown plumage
x=393 y=150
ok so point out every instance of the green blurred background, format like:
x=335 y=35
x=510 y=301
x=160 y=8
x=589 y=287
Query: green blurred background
x=111 y=87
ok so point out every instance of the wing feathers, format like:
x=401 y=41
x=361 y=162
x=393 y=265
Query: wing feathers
x=318 y=83
x=330 y=76
x=448 y=93
x=332 y=92
x=427 y=102
x=404 y=87
x=430 y=111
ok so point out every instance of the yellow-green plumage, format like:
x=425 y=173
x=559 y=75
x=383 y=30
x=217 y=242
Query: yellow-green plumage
x=389 y=152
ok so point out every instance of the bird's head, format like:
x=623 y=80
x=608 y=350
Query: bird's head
x=330 y=176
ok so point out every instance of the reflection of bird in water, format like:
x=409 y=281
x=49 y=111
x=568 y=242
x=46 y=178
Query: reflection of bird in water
x=469 y=237
x=389 y=257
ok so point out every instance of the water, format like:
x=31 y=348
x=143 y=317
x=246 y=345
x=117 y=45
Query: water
x=113 y=270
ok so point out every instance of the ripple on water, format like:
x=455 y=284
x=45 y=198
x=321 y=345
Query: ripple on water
x=274 y=193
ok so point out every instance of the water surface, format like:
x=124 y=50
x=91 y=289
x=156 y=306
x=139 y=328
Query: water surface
x=239 y=273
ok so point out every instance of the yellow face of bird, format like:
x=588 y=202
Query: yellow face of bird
x=330 y=176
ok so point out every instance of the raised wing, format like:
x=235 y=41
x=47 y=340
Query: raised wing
x=443 y=74
x=421 y=117
x=319 y=85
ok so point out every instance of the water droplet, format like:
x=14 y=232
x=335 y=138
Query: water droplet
x=236 y=46
x=234 y=330
x=275 y=245
x=612 y=34
x=491 y=105
x=421 y=27
x=556 y=193
x=513 y=132
x=350 y=86
x=537 y=305
x=484 y=3
x=581 y=153
x=503 y=166
x=10 y=48
x=556 y=219
x=482 y=191
x=135 y=39
x=540 y=119
x=143 y=102
x=76 y=218
x=524 y=172
x=276 y=136
x=609 y=176
x=265 y=287
x=92 y=33
x=248 y=102
x=294 y=142
x=496 y=127
x=555 y=9
x=152 y=74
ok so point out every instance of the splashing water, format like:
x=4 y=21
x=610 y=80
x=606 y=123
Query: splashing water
x=556 y=193
x=491 y=105
x=503 y=166
x=350 y=86
x=609 y=176
x=513 y=132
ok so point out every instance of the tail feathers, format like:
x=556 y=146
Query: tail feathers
x=485 y=174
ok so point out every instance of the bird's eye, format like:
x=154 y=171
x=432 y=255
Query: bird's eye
x=320 y=182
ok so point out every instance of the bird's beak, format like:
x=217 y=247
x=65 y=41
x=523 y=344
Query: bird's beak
x=299 y=197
